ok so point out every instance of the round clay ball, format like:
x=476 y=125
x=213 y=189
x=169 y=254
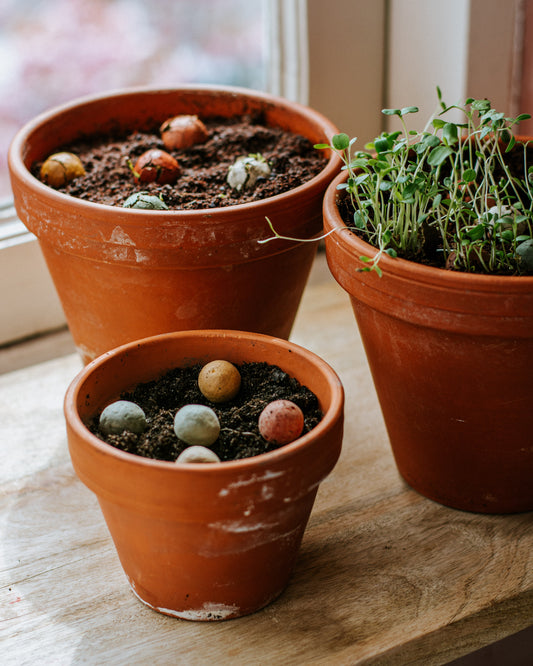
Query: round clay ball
x=122 y=415
x=197 y=454
x=281 y=422
x=219 y=381
x=60 y=168
x=182 y=132
x=197 y=425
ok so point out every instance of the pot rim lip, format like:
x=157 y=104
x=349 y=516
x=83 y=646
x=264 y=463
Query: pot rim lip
x=18 y=167
x=261 y=461
x=399 y=267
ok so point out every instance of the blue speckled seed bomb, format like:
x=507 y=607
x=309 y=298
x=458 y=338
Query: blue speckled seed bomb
x=122 y=415
x=197 y=425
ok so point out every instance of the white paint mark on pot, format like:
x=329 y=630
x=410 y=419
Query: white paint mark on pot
x=86 y=353
x=120 y=237
x=142 y=257
x=267 y=492
x=208 y=612
x=267 y=476
x=239 y=526
x=241 y=537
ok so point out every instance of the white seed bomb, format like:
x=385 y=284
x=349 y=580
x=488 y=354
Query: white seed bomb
x=197 y=454
x=246 y=170
x=197 y=425
x=122 y=415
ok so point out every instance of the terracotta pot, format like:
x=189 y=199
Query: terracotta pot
x=451 y=358
x=123 y=274
x=211 y=541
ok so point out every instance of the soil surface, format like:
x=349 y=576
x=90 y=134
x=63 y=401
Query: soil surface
x=204 y=167
x=239 y=437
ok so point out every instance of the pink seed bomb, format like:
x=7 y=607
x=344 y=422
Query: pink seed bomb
x=281 y=422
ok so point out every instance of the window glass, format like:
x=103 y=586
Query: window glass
x=55 y=50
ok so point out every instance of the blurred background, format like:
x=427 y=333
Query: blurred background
x=55 y=50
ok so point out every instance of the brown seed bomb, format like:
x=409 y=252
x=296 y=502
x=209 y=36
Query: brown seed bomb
x=60 y=168
x=281 y=422
x=219 y=381
x=182 y=132
x=156 y=165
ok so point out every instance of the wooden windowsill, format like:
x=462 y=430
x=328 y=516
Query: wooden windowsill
x=384 y=575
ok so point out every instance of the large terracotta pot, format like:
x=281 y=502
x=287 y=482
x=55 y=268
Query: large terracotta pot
x=451 y=359
x=204 y=541
x=123 y=274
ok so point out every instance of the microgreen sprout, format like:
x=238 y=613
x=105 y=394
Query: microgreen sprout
x=456 y=194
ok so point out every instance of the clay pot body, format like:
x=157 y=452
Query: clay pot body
x=123 y=274
x=451 y=359
x=204 y=541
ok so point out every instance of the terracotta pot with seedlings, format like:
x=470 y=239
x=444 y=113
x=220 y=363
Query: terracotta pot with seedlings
x=204 y=540
x=123 y=273
x=433 y=243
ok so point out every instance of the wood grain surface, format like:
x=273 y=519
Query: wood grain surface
x=384 y=576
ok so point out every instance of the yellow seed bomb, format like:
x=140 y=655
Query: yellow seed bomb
x=219 y=381
x=60 y=168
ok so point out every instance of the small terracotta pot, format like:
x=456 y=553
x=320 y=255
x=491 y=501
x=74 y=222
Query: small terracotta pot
x=124 y=274
x=451 y=358
x=204 y=541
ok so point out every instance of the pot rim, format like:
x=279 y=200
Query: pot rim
x=17 y=150
x=398 y=267
x=330 y=417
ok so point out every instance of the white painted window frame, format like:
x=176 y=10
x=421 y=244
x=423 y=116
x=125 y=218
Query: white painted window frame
x=346 y=58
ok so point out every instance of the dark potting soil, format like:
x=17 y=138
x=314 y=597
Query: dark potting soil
x=239 y=437
x=204 y=167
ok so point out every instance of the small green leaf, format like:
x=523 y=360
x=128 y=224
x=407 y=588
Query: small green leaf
x=360 y=179
x=391 y=112
x=409 y=192
x=449 y=133
x=507 y=235
x=321 y=146
x=428 y=141
x=438 y=155
x=469 y=175
x=382 y=145
x=358 y=220
x=359 y=162
x=480 y=104
x=511 y=144
x=476 y=233
x=408 y=109
x=340 y=141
